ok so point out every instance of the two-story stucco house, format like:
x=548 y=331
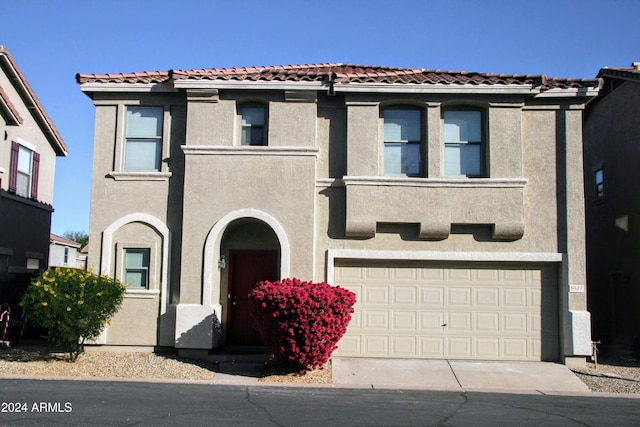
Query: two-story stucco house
x=29 y=146
x=451 y=203
x=611 y=134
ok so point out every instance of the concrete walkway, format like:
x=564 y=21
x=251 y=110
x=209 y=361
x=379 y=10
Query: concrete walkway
x=451 y=375
x=542 y=377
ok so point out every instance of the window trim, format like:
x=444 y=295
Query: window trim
x=158 y=139
x=14 y=172
x=146 y=269
x=482 y=143
x=265 y=126
x=421 y=142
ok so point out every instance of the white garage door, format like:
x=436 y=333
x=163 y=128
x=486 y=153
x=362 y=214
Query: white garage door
x=501 y=311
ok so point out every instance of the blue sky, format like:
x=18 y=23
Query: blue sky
x=52 y=40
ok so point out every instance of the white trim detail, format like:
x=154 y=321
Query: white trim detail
x=334 y=254
x=435 y=182
x=107 y=249
x=212 y=249
x=26 y=144
x=139 y=176
x=249 y=150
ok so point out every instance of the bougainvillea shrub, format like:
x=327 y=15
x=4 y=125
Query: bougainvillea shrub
x=301 y=322
x=72 y=305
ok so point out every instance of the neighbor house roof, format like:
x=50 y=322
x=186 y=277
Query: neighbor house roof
x=29 y=98
x=54 y=238
x=340 y=73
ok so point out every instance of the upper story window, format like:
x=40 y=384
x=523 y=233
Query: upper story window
x=23 y=176
x=252 y=123
x=599 y=175
x=463 y=143
x=136 y=266
x=143 y=139
x=402 y=141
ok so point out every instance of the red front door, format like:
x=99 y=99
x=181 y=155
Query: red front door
x=247 y=267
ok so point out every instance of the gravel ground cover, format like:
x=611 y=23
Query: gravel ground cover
x=617 y=371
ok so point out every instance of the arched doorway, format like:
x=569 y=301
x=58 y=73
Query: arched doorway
x=252 y=253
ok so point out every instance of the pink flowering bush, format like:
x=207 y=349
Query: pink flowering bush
x=301 y=322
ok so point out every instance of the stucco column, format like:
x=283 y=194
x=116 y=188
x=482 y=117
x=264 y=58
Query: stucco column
x=571 y=234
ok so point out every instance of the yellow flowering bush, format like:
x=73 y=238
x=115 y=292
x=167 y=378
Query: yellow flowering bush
x=72 y=305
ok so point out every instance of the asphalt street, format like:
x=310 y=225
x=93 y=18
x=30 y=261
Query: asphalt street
x=111 y=403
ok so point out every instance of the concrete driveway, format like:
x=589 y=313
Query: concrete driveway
x=543 y=377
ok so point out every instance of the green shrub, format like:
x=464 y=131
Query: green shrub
x=72 y=305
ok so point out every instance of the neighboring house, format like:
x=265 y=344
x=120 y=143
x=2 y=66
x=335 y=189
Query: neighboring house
x=29 y=145
x=81 y=258
x=612 y=152
x=452 y=203
x=62 y=252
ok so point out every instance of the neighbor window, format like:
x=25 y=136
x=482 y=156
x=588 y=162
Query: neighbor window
x=23 y=177
x=143 y=139
x=599 y=183
x=136 y=266
x=402 y=141
x=463 y=143
x=252 y=123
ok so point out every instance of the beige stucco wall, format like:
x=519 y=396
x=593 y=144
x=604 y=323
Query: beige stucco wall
x=29 y=131
x=321 y=173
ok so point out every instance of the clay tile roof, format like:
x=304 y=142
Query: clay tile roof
x=339 y=73
x=11 y=69
x=143 y=77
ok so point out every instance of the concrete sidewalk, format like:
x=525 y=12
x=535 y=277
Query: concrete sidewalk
x=451 y=375
x=541 y=377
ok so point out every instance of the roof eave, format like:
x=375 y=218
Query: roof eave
x=583 y=92
x=31 y=101
x=249 y=84
x=437 y=88
x=89 y=88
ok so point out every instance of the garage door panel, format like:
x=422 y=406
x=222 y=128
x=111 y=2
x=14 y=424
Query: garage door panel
x=515 y=322
x=404 y=346
x=487 y=348
x=487 y=322
x=432 y=296
x=351 y=344
x=376 y=320
x=487 y=297
x=459 y=296
x=431 y=346
x=514 y=297
x=405 y=295
x=488 y=311
x=376 y=345
x=515 y=348
x=376 y=295
x=432 y=321
x=405 y=321
x=459 y=347
x=459 y=321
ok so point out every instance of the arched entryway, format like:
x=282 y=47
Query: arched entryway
x=251 y=253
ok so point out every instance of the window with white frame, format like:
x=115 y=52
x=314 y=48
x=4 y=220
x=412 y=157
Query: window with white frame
x=402 y=129
x=136 y=268
x=143 y=139
x=23 y=176
x=463 y=142
x=599 y=176
x=252 y=124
